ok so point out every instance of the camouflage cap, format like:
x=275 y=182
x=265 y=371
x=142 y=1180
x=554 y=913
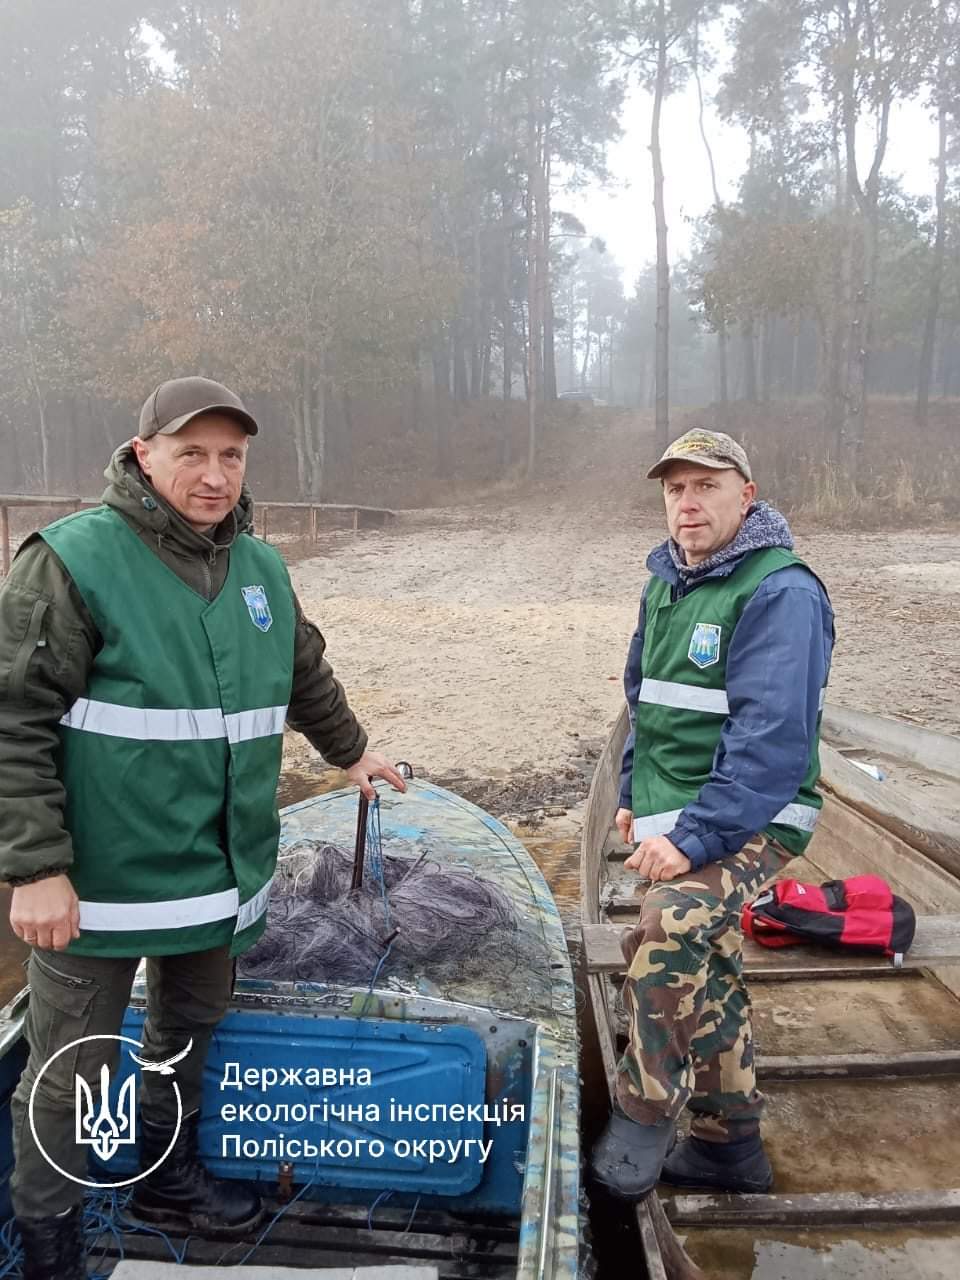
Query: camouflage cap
x=708 y=449
x=175 y=403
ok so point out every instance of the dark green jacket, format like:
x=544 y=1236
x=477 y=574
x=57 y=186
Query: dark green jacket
x=48 y=641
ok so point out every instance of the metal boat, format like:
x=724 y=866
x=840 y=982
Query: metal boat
x=500 y=1035
x=860 y=1061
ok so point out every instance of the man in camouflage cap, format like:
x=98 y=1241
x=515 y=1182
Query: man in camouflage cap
x=725 y=680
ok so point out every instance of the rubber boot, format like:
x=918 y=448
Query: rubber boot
x=53 y=1248
x=626 y=1160
x=740 y=1166
x=183 y=1192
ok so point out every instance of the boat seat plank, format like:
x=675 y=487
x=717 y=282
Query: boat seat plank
x=937 y=941
x=823 y=1209
x=858 y=1066
x=130 y=1269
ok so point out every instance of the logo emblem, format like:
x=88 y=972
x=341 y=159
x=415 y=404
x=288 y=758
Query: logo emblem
x=103 y=1131
x=96 y=1125
x=704 y=648
x=255 y=599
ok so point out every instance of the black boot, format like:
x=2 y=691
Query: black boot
x=740 y=1166
x=53 y=1248
x=626 y=1161
x=183 y=1192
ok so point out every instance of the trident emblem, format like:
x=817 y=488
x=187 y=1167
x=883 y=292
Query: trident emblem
x=105 y=1132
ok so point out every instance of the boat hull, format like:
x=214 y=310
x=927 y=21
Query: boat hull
x=482 y=1062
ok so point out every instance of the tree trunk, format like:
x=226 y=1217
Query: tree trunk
x=544 y=275
x=867 y=197
x=925 y=371
x=313 y=417
x=549 y=354
x=721 y=326
x=441 y=401
x=767 y=343
x=506 y=282
x=749 y=366
x=486 y=376
x=534 y=321
x=795 y=359
x=662 y=361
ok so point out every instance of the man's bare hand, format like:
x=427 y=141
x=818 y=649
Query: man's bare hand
x=46 y=913
x=658 y=859
x=373 y=765
x=624 y=824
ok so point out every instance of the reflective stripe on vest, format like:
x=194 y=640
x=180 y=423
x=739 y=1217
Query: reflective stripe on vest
x=155 y=724
x=803 y=816
x=691 y=697
x=177 y=913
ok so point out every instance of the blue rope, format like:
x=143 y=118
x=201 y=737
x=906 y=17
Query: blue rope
x=104 y=1213
x=375 y=839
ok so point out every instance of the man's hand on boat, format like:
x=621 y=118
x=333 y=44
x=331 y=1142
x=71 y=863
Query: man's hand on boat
x=657 y=859
x=373 y=765
x=46 y=913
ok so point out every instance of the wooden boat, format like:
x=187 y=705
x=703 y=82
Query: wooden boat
x=860 y=1061
x=503 y=1037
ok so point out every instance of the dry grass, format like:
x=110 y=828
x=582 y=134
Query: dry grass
x=898 y=477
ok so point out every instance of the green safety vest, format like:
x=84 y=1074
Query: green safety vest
x=170 y=760
x=682 y=705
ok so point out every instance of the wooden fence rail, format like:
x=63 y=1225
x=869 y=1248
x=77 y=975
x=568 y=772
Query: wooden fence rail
x=363 y=517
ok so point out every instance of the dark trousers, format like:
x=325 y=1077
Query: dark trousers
x=72 y=996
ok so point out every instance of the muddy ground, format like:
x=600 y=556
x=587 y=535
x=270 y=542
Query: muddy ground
x=486 y=644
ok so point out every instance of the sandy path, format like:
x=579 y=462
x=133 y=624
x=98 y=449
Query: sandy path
x=490 y=638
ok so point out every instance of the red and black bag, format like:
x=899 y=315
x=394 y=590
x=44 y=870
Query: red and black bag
x=861 y=912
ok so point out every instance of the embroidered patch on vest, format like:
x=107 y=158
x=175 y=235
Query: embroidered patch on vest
x=704 y=648
x=255 y=599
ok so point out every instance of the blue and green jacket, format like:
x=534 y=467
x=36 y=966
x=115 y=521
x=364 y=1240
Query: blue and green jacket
x=777 y=665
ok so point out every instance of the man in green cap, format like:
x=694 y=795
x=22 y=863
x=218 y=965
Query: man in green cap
x=725 y=682
x=151 y=651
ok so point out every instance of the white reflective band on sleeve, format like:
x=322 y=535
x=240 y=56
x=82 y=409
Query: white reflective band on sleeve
x=657 y=824
x=251 y=911
x=157 y=724
x=264 y=722
x=687 y=697
x=179 y=913
x=803 y=816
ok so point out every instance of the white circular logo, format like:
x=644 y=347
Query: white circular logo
x=96 y=1126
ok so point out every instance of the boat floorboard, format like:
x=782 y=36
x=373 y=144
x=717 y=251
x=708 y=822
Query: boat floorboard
x=900 y=1253
x=311 y=1235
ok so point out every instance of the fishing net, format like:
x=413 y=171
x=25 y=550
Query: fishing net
x=410 y=918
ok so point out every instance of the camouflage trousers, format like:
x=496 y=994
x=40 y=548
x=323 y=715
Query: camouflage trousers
x=690 y=1039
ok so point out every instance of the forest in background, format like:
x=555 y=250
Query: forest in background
x=354 y=212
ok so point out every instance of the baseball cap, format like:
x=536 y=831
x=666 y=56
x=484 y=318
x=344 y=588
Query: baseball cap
x=708 y=448
x=174 y=403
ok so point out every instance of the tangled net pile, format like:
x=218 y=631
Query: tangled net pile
x=319 y=930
